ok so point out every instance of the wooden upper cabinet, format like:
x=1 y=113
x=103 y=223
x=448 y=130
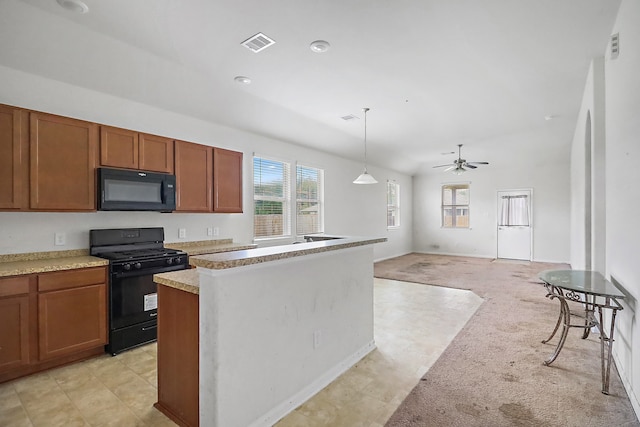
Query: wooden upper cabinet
x=63 y=161
x=118 y=148
x=122 y=148
x=156 y=153
x=227 y=181
x=13 y=157
x=194 y=177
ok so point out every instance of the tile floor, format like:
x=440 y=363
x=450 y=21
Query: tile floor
x=413 y=325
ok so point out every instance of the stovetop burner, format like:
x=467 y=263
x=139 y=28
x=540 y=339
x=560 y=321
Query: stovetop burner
x=136 y=249
x=136 y=254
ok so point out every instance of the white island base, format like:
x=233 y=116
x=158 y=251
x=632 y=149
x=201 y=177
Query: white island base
x=273 y=334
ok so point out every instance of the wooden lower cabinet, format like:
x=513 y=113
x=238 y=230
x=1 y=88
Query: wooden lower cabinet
x=71 y=320
x=14 y=333
x=178 y=355
x=50 y=319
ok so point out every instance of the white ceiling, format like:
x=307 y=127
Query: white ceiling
x=435 y=73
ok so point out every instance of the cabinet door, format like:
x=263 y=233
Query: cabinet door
x=62 y=160
x=14 y=321
x=194 y=177
x=227 y=181
x=12 y=158
x=156 y=153
x=118 y=148
x=72 y=320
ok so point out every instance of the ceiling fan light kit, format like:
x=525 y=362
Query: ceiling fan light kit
x=365 y=177
x=460 y=165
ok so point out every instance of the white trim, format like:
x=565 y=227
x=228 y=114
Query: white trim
x=278 y=412
x=624 y=377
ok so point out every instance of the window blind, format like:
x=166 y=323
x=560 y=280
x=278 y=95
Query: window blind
x=393 y=204
x=309 y=200
x=271 y=197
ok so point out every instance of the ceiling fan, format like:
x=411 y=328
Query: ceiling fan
x=458 y=166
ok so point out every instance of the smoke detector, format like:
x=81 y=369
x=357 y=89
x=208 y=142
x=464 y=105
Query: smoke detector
x=258 y=42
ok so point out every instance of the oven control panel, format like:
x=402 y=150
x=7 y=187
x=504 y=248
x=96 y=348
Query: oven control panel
x=151 y=266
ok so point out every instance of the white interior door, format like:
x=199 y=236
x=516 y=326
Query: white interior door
x=514 y=224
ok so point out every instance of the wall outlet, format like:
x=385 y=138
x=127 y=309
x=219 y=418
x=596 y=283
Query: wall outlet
x=317 y=338
x=209 y=231
x=60 y=239
x=216 y=231
x=182 y=233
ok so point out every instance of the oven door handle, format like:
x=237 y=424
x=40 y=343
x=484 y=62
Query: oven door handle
x=121 y=275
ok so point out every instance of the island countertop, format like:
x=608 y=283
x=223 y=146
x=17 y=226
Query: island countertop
x=202 y=247
x=242 y=258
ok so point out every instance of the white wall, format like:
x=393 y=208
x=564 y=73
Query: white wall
x=589 y=251
x=256 y=376
x=349 y=209
x=623 y=197
x=545 y=171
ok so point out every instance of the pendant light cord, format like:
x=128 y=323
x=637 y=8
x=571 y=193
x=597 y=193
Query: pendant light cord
x=365 y=138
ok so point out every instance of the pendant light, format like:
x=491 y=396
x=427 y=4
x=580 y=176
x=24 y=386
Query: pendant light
x=365 y=178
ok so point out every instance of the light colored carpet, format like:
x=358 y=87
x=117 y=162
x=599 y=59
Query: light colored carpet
x=492 y=373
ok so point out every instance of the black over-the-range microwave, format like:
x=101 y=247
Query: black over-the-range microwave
x=132 y=190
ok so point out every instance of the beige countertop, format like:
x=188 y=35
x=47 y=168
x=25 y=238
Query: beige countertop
x=42 y=262
x=189 y=280
x=241 y=258
x=209 y=246
x=186 y=280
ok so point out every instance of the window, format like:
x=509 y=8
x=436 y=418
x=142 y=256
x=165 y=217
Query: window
x=309 y=200
x=271 y=196
x=455 y=206
x=393 y=204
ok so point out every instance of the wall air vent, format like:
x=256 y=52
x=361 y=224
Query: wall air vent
x=258 y=42
x=349 y=117
x=615 y=45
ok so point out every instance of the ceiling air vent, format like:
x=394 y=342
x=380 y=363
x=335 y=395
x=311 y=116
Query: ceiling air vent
x=258 y=42
x=615 y=45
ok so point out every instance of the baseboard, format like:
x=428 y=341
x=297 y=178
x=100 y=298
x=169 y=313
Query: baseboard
x=271 y=417
x=391 y=257
x=454 y=254
x=635 y=402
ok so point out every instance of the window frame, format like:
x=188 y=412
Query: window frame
x=319 y=200
x=285 y=199
x=393 y=207
x=454 y=206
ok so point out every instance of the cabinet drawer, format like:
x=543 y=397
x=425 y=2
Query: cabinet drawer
x=71 y=279
x=14 y=286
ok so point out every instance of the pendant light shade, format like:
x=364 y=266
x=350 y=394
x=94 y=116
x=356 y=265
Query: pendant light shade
x=365 y=178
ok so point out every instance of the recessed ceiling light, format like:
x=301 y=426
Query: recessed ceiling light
x=76 y=6
x=242 y=80
x=319 y=46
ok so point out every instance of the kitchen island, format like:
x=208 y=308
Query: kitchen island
x=273 y=327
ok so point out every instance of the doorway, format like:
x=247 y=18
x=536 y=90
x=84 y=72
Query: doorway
x=515 y=227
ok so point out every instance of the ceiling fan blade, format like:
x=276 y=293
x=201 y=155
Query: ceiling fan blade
x=450 y=168
x=470 y=166
x=478 y=163
x=443 y=166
